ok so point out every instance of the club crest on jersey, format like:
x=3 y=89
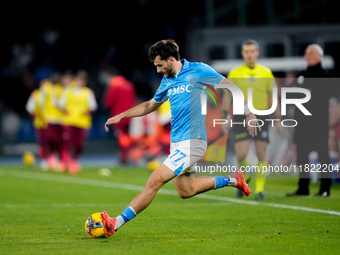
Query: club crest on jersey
x=188 y=77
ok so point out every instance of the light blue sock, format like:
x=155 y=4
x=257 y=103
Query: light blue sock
x=128 y=214
x=221 y=181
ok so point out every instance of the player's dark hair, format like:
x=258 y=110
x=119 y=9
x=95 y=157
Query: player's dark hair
x=251 y=42
x=164 y=49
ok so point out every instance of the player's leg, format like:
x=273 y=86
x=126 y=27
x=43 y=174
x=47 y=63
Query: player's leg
x=52 y=136
x=241 y=152
x=260 y=176
x=157 y=179
x=302 y=153
x=79 y=138
x=321 y=146
x=42 y=140
x=65 y=145
x=188 y=186
x=242 y=143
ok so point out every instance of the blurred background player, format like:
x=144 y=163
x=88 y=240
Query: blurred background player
x=150 y=135
x=260 y=78
x=66 y=81
x=78 y=103
x=311 y=134
x=50 y=92
x=119 y=97
x=35 y=108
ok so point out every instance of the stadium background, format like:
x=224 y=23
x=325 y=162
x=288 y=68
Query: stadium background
x=38 y=40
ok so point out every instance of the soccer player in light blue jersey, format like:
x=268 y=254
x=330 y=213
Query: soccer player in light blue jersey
x=188 y=132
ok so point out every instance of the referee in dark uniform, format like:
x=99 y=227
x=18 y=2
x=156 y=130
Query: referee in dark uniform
x=311 y=133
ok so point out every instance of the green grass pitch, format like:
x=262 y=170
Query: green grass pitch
x=45 y=212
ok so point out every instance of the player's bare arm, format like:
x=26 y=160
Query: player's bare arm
x=139 y=110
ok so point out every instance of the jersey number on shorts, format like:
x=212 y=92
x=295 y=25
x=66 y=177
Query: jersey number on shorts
x=181 y=155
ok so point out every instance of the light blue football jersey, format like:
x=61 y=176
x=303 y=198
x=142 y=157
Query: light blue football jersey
x=187 y=122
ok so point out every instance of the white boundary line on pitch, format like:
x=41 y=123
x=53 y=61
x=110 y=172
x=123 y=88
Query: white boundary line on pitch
x=67 y=205
x=108 y=184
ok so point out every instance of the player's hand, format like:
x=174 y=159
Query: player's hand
x=254 y=124
x=111 y=121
